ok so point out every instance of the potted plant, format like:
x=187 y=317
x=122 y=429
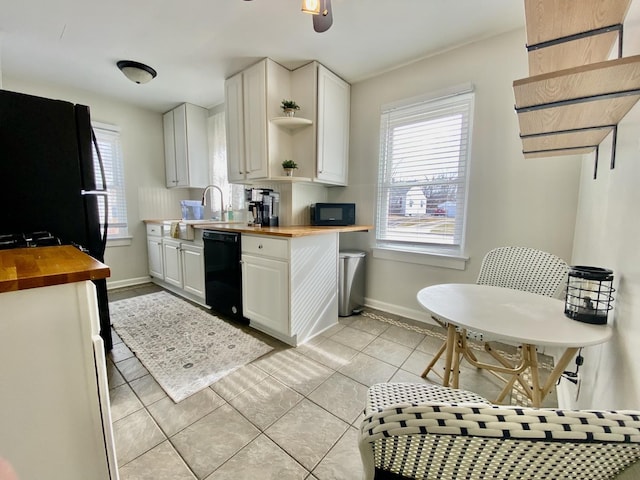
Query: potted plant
x=289 y=107
x=289 y=166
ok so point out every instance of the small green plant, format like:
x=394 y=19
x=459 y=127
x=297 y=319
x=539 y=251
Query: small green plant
x=289 y=164
x=289 y=104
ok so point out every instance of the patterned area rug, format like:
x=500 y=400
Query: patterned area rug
x=184 y=348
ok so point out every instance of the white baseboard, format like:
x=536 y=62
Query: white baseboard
x=418 y=315
x=129 y=282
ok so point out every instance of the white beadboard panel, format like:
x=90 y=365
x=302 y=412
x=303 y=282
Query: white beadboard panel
x=160 y=202
x=314 y=275
x=303 y=195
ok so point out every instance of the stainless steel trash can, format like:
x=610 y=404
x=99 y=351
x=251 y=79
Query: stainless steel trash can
x=351 y=282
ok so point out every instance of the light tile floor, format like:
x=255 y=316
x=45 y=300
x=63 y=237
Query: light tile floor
x=291 y=414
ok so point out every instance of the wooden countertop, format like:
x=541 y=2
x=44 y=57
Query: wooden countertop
x=23 y=268
x=293 y=231
x=242 y=227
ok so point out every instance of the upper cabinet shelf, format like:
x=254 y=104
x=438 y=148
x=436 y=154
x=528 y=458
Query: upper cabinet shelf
x=574 y=97
x=291 y=123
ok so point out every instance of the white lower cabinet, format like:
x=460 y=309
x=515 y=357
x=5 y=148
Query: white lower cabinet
x=193 y=269
x=154 y=250
x=184 y=266
x=176 y=264
x=172 y=262
x=290 y=285
x=55 y=420
x=266 y=283
x=156 y=264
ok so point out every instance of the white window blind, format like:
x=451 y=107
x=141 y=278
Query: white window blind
x=423 y=173
x=108 y=138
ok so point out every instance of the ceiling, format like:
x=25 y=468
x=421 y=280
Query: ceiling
x=195 y=44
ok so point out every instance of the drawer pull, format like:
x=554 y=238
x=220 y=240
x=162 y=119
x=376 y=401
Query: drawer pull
x=260 y=246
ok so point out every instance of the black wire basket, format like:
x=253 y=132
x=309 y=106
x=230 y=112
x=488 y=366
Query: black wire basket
x=589 y=294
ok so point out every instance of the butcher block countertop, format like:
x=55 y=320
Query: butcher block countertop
x=23 y=268
x=293 y=231
x=242 y=227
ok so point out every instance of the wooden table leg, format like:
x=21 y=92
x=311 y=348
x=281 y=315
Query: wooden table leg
x=532 y=356
x=434 y=360
x=568 y=354
x=458 y=351
x=451 y=341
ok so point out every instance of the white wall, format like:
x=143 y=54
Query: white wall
x=143 y=151
x=608 y=235
x=512 y=201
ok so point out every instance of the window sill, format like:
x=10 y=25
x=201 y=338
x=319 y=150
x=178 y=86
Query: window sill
x=453 y=262
x=119 y=242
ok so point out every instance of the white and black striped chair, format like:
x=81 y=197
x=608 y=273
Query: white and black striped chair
x=423 y=431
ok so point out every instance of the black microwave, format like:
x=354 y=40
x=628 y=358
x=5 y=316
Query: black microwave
x=333 y=214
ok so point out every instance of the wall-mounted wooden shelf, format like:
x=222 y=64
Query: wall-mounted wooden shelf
x=574 y=97
x=594 y=95
x=562 y=34
x=564 y=143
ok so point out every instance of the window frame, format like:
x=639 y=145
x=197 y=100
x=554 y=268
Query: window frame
x=107 y=133
x=439 y=254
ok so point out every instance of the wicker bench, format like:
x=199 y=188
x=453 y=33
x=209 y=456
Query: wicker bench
x=423 y=431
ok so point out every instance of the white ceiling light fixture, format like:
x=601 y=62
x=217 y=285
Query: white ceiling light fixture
x=137 y=72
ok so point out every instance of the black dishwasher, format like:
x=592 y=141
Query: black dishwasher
x=223 y=273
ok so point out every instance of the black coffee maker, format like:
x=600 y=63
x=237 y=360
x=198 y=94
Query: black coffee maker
x=264 y=206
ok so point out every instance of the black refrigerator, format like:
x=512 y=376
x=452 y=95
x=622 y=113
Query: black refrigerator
x=47 y=178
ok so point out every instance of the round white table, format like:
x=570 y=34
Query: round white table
x=512 y=315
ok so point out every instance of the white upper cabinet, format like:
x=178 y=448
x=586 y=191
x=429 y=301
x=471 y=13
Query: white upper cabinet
x=260 y=138
x=185 y=146
x=254 y=83
x=334 y=98
x=246 y=117
x=234 y=116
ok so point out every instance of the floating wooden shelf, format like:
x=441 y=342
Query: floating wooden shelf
x=561 y=104
x=602 y=78
x=575 y=96
x=568 y=143
x=291 y=123
x=281 y=179
x=551 y=24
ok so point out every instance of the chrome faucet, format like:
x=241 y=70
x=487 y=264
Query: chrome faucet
x=204 y=199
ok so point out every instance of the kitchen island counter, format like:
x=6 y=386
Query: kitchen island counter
x=23 y=268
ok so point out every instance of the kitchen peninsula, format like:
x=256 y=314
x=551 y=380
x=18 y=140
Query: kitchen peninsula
x=54 y=400
x=289 y=274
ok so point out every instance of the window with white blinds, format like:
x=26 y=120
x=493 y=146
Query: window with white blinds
x=108 y=138
x=423 y=173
